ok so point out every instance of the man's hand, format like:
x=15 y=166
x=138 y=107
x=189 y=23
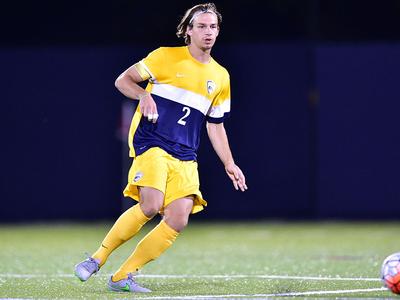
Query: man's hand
x=148 y=107
x=237 y=177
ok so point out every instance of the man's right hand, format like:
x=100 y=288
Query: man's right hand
x=148 y=107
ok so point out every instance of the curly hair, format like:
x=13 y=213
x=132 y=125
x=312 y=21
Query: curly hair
x=187 y=20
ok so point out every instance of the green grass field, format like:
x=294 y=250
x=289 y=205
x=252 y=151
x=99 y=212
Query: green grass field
x=208 y=261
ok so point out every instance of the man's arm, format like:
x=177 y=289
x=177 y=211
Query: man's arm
x=127 y=84
x=219 y=141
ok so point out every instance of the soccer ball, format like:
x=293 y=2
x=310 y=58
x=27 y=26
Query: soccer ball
x=390 y=272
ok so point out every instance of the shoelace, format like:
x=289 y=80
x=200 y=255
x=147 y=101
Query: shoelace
x=130 y=279
x=92 y=261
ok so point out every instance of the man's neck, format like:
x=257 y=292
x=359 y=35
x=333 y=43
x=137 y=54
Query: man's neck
x=200 y=55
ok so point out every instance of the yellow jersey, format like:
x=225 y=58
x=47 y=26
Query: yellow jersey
x=187 y=93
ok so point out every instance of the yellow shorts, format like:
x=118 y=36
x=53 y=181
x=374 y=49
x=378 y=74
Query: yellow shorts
x=173 y=177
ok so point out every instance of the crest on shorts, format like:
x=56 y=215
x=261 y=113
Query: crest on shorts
x=210 y=86
x=137 y=177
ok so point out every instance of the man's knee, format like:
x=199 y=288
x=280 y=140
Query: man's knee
x=177 y=222
x=149 y=209
x=176 y=214
x=151 y=201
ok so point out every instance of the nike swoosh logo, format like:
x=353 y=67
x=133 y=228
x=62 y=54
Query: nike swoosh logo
x=126 y=288
x=179 y=75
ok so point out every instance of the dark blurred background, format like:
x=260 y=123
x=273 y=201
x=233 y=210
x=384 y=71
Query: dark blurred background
x=315 y=107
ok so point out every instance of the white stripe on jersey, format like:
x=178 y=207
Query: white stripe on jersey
x=182 y=96
x=219 y=110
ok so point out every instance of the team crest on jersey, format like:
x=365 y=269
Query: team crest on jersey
x=210 y=86
x=137 y=177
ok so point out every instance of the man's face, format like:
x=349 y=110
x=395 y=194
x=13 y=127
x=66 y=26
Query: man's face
x=204 y=31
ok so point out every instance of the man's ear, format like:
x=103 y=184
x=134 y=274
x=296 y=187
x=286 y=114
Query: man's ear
x=189 y=31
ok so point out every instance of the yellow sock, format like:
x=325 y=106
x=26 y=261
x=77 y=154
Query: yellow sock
x=149 y=248
x=127 y=225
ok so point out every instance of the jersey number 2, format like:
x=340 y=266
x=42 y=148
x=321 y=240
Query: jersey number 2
x=187 y=113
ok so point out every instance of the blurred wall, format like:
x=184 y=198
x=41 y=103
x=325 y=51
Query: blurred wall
x=358 y=131
x=336 y=155
x=60 y=157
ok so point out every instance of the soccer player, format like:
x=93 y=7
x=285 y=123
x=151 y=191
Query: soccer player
x=186 y=89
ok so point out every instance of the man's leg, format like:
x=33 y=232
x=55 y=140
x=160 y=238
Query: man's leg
x=176 y=216
x=130 y=222
x=127 y=225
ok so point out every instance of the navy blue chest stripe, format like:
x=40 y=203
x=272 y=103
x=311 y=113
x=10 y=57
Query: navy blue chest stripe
x=177 y=130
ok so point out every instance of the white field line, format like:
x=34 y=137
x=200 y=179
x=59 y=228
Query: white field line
x=227 y=276
x=290 y=294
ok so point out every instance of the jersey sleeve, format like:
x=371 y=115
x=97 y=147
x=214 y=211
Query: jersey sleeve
x=151 y=67
x=221 y=105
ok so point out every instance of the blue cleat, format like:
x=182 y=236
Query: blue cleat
x=126 y=285
x=87 y=268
